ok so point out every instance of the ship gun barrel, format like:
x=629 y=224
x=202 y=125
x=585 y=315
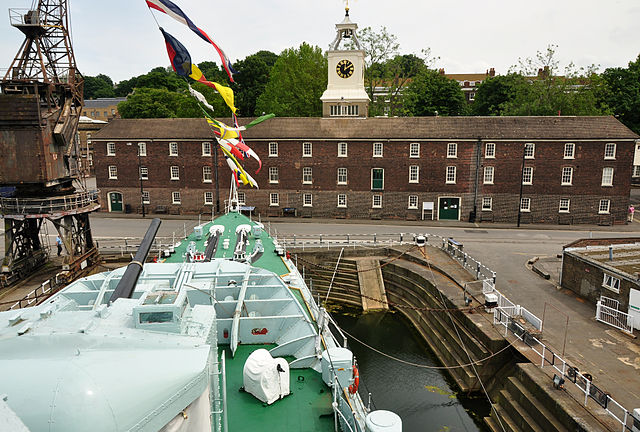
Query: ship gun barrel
x=130 y=277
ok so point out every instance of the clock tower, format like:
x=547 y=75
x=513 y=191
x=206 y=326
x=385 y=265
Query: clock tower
x=345 y=95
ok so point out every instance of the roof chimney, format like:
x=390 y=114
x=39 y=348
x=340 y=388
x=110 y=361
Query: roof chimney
x=492 y=72
x=441 y=71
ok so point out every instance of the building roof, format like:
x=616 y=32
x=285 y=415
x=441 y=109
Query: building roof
x=405 y=128
x=103 y=102
x=468 y=76
x=624 y=258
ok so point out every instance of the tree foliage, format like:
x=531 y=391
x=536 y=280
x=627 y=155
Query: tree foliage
x=158 y=103
x=431 y=93
x=298 y=79
x=100 y=86
x=157 y=78
x=251 y=80
x=496 y=92
x=621 y=92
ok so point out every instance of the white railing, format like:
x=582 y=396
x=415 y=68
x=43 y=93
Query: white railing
x=43 y=291
x=65 y=203
x=609 y=302
x=614 y=317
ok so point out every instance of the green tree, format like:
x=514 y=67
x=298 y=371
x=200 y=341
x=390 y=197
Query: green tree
x=251 y=80
x=100 y=86
x=298 y=79
x=158 y=78
x=158 y=103
x=396 y=74
x=495 y=92
x=431 y=93
x=621 y=92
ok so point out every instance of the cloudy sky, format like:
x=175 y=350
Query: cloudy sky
x=120 y=38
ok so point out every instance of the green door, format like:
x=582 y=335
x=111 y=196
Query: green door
x=115 y=198
x=449 y=209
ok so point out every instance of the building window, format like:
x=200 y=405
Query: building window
x=307 y=200
x=342 y=176
x=175 y=198
x=342 y=200
x=208 y=198
x=525 y=204
x=603 y=207
x=636 y=171
x=273 y=149
x=490 y=150
x=377 y=178
x=569 y=150
x=344 y=110
x=142 y=149
x=529 y=150
x=111 y=149
x=342 y=149
x=611 y=283
x=113 y=172
x=610 y=151
x=175 y=173
x=414 y=174
x=472 y=96
x=307 y=149
x=451 y=175
x=413 y=202
x=377 y=149
x=242 y=198
x=113 y=111
x=527 y=175
x=144 y=173
x=452 y=150
x=414 y=150
x=206 y=149
x=145 y=198
x=487 y=203
x=274 y=199
x=564 y=205
x=567 y=176
x=607 y=176
x=273 y=175
x=377 y=201
x=307 y=175
x=206 y=174
x=173 y=149
x=488 y=175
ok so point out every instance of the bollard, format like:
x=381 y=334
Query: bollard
x=294 y=240
x=347 y=238
x=478 y=271
x=374 y=238
x=320 y=238
x=494 y=278
x=401 y=235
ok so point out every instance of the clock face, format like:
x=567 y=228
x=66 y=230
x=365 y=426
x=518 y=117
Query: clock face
x=344 y=68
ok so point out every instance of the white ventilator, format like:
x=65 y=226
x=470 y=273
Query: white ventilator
x=265 y=377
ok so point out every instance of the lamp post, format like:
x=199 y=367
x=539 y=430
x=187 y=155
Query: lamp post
x=140 y=179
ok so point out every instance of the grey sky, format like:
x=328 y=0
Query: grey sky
x=120 y=38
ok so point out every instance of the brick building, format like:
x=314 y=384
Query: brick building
x=105 y=109
x=547 y=169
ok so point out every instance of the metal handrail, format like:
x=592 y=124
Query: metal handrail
x=27 y=206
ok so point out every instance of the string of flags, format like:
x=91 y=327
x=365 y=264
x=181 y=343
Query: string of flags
x=229 y=138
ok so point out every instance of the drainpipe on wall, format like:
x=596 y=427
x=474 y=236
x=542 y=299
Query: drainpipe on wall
x=474 y=213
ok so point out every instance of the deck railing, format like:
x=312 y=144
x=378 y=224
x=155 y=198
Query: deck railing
x=59 y=204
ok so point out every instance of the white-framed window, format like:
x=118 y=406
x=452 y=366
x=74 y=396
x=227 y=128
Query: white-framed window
x=111 y=149
x=636 y=171
x=451 y=175
x=414 y=150
x=607 y=176
x=527 y=175
x=413 y=202
x=307 y=200
x=344 y=110
x=342 y=176
x=208 y=198
x=610 y=151
x=242 y=198
x=567 y=176
x=342 y=200
x=376 y=202
x=175 y=198
x=603 y=206
x=377 y=178
x=273 y=149
x=307 y=175
x=113 y=172
x=488 y=175
x=452 y=150
x=569 y=150
x=307 y=149
x=377 y=149
x=525 y=204
x=273 y=175
x=173 y=149
x=342 y=149
x=487 y=203
x=611 y=283
x=274 y=199
x=144 y=173
x=529 y=150
x=206 y=148
x=564 y=205
x=142 y=149
x=490 y=150
x=414 y=174
x=175 y=173
x=146 y=199
x=206 y=174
